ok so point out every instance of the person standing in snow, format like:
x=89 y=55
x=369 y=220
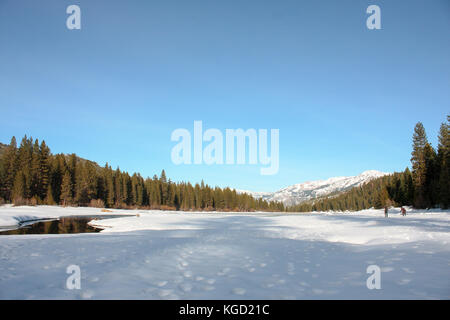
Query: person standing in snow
x=403 y=210
x=385 y=211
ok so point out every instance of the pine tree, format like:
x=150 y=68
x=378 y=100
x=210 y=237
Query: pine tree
x=444 y=165
x=10 y=167
x=44 y=170
x=419 y=170
x=110 y=200
x=35 y=188
x=58 y=166
x=66 y=189
x=164 y=188
x=431 y=185
x=49 y=197
x=19 y=189
x=409 y=187
x=118 y=188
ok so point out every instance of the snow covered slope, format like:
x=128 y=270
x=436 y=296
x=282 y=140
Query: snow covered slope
x=298 y=193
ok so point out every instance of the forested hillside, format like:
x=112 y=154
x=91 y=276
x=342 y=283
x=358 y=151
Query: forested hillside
x=30 y=174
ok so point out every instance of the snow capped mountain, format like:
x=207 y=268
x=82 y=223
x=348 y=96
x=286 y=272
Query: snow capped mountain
x=298 y=193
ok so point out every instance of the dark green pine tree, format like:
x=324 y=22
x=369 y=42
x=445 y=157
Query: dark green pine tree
x=66 y=189
x=118 y=188
x=49 y=197
x=19 y=190
x=408 y=187
x=431 y=180
x=444 y=165
x=419 y=169
x=10 y=166
x=58 y=169
x=164 y=186
x=110 y=200
x=44 y=171
x=36 y=188
x=24 y=163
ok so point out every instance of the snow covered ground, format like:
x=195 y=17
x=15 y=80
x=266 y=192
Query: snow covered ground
x=177 y=255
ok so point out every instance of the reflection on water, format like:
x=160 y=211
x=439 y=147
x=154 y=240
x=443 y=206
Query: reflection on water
x=63 y=225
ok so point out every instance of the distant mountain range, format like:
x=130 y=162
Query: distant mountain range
x=310 y=190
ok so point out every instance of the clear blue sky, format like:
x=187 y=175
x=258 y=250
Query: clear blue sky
x=345 y=98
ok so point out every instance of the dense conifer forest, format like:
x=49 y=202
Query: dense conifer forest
x=30 y=174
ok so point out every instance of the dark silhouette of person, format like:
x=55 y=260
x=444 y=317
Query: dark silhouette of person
x=403 y=210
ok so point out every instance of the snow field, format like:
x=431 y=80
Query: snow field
x=178 y=255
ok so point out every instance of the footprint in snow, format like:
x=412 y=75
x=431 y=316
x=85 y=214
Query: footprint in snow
x=186 y=287
x=187 y=274
x=304 y=284
x=402 y=282
x=88 y=294
x=184 y=263
x=161 y=283
x=290 y=268
x=208 y=288
x=239 y=291
x=164 y=293
x=223 y=272
x=408 y=270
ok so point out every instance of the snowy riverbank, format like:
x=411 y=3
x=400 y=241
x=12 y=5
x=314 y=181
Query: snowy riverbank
x=177 y=255
x=11 y=217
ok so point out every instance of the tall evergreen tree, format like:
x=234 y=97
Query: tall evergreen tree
x=444 y=165
x=66 y=189
x=44 y=171
x=419 y=169
x=10 y=166
x=19 y=189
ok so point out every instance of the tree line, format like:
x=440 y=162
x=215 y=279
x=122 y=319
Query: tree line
x=30 y=174
x=426 y=185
